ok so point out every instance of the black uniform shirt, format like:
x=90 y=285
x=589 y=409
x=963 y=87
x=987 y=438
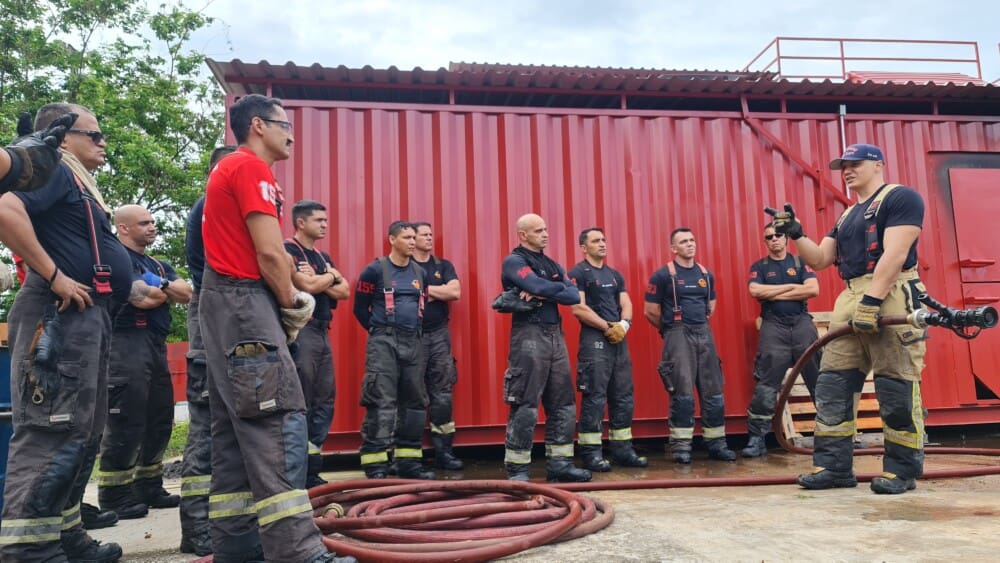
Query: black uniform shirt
x=157 y=320
x=61 y=224
x=369 y=299
x=602 y=288
x=194 y=246
x=903 y=206
x=439 y=272
x=317 y=259
x=692 y=291
x=769 y=271
x=548 y=282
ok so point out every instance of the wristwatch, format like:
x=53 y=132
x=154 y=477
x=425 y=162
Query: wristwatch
x=164 y=284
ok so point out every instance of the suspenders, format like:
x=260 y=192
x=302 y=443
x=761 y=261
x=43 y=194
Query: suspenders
x=872 y=245
x=673 y=283
x=389 y=292
x=102 y=272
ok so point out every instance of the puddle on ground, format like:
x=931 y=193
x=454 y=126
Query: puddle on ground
x=923 y=513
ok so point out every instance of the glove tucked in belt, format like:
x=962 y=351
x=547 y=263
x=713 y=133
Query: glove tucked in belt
x=293 y=319
x=45 y=354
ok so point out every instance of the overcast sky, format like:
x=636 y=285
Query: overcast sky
x=674 y=34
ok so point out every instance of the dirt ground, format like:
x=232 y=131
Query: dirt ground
x=942 y=520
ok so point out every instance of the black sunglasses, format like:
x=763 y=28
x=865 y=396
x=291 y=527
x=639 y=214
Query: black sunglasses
x=96 y=136
x=774 y=236
x=286 y=125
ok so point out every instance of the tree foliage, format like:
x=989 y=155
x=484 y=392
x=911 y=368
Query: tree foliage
x=134 y=68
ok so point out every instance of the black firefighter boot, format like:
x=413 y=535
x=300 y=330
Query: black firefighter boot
x=718 y=449
x=94 y=518
x=622 y=453
x=81 y=548
x=376 y=470
x=592 y=459
x=313 y=467
x=518 y=471
x=561 y=470
x=756 y=447
x=444 y=457
x=409 y=468
x=122 y=501
x=152 y=493
x=198 y=542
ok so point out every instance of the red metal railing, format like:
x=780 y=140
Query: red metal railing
x=997 y=81
x=783 y=54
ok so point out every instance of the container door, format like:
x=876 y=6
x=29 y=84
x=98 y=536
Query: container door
x=976 y=200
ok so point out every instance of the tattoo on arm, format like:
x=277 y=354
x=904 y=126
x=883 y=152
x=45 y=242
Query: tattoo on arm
x=140 y=290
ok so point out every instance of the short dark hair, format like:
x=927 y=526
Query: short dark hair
x=218 y=153
x=304 y=208
x=769 y=225
x=397 y=226
x=241 y=113
x=417 y=224
x=51 y=112
x=586 y=233
x=679 y=230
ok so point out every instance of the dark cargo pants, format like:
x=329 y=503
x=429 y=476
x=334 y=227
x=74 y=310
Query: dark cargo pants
x=782 y=341
x=258 y=428
x=51 y=439
x=314 y=363
x=538 y=371
x=690 y=362
x=393 y=381
x=140 y=413
x=196 y=468
x=440 y=376
x=604 y=379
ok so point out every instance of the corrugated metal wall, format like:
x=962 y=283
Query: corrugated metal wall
x=472 y=171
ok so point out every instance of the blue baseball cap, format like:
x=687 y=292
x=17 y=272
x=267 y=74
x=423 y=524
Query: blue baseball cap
x=859 y=151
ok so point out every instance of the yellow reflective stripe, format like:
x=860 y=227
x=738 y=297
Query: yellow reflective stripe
x=149 y=471
x=910 y=440
x=517 y=456
x=753 y=416
x=409 y=453
x=282 y=505
x=377 y=457
x=195 y=486
x=917 y=414
x=71 y=517
x=713 y=432
x=620 y=433
x=30 y=530
x=847 y=428
x=231 y=504
x=589 y=439
x=682 y=433
x=314 y=449
x=558 y=450
x=447 y=428
x=115 y=478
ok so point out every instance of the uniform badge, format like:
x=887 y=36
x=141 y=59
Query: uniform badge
x=415 y=284
x=437 y=275
x=790 y=271
x=702 y=282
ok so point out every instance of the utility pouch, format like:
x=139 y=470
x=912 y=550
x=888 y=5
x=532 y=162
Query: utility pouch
x=262 y=382
x=55 y=411
x=515 y=381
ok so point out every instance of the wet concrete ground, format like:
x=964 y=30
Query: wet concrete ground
x=943 y=519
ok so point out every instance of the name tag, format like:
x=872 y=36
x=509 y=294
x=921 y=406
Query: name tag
x=268 y=405
x=56 y=418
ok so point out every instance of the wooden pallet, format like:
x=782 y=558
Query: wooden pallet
x=3 y=334
x=799 y=416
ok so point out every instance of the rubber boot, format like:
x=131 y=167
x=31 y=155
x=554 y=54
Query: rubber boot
x=152 y=493
x=561 y=470
x=376 y=470
x=122 y=501
x=197 y=543
x=314 y=466
x=94 y=518
x=822 y=478
x=624 y=454
x=518 y=471
x=719 y=450
x=756 y=447
x=332 y=558
x=413 y=469
x=592 y=460
x=680 y=451
x=444 y=458
x=81 y=548
x=892 y=484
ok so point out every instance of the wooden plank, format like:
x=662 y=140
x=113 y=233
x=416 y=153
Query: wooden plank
x=3 y=334
x=865 y=405
x=864 y=423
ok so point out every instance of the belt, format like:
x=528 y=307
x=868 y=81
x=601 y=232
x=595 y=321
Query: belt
x=908 y=274
x=391 y=330
x=321 y=323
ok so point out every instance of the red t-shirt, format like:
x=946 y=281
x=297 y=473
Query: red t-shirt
x=239 y=185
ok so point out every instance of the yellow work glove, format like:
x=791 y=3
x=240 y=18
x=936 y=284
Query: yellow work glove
x=616 y=331
x=866 y=315
x=293 y=319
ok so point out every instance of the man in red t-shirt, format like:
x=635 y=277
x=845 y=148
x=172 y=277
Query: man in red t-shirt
x=258 y=506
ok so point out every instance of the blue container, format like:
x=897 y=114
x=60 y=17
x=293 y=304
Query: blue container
x=6 y=428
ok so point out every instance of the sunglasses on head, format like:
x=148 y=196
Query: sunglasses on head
x=96 y=136
x=774 y=236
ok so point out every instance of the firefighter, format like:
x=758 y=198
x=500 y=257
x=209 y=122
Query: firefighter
x=258 y=508
x=140 y=394
x=439 y=362
x=604 y=368
x=60 y=355
x=316 y=275
x=538 y=363
x=680 y=299
x=783 y=285
x=196 y=466
x=389 y=305
x=874 y=244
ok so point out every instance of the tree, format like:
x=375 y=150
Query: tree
x=133 y=68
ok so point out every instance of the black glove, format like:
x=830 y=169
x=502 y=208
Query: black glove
x=510 y=302
x=34 y=157
x=785 y=222
x=48 y=350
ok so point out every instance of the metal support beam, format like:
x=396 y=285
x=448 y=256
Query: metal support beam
x=812 y=171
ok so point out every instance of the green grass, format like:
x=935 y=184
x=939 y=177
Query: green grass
x=175 y=448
